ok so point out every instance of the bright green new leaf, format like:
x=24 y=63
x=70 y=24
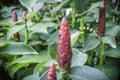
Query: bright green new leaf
x=108 y=39
x=17 y=48
x=74 y=37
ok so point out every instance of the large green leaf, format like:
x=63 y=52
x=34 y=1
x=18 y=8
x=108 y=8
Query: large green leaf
x=52 y=50
x=48 y=1
x=113 y=52
x=14 y=68
x=80 y=5
x=109 y=71
x=38 y=6
x=42 y=27
x=86 y=73
x=40 y=68
x=91 y=43
x=17 y=48
x=34 y=76
x=113 y=30
x=5 y=24
x=14 y=29
x=78 y=58
x=42 y=57
x=59 y=6
x=108 y=39
x=28 y=3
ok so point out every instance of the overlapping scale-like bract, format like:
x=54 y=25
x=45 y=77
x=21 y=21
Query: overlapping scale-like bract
x=64 y=47
x=51 y=73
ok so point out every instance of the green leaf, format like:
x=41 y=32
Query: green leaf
x=86 y=73
x=108 y=39
x=14 y=68
x=74 y=37
x=14 y=29
x=78 y=58
x=96 y=5
x=38 y=6
x=40 y=68
x=109 y=70
x=91 y=43
x=80 y=5
x=113 y=52
x=28 y=3
x=2 y=42
x=59 y=6
x=48 y=1
x=42 y=27
x=53 y=37
x=34 y=76
x=38 y=58
x=52 y=50
x=5 y=24
x=17 y=48
x=113 y=30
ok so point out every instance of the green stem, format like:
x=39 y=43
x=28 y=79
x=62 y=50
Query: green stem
x=102 y=53
x=73 y=15
x=65 y=76
x=82 y=30
x=90 y=56
x=116 y=8
x=26 y=34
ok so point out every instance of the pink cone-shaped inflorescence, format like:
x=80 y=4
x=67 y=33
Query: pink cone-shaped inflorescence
x=51 y=73
x=101 y=27
x=15 y=17
x=24 y=16
x=64 y=47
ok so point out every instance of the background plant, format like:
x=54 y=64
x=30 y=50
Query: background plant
x=28 y=59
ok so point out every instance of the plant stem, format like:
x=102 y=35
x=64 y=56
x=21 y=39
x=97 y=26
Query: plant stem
x=65 y=75
x=73 y=15
x=117 y=5
x=90 y=56
x=26 y=34
x=82 y=30
x=102 y=53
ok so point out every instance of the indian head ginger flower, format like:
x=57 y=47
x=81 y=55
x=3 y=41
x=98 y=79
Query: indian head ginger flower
x=15 y=19
x=101 y=27
x=64 y=46
x=51 y=73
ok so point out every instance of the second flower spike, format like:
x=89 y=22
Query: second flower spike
x=52 y=73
